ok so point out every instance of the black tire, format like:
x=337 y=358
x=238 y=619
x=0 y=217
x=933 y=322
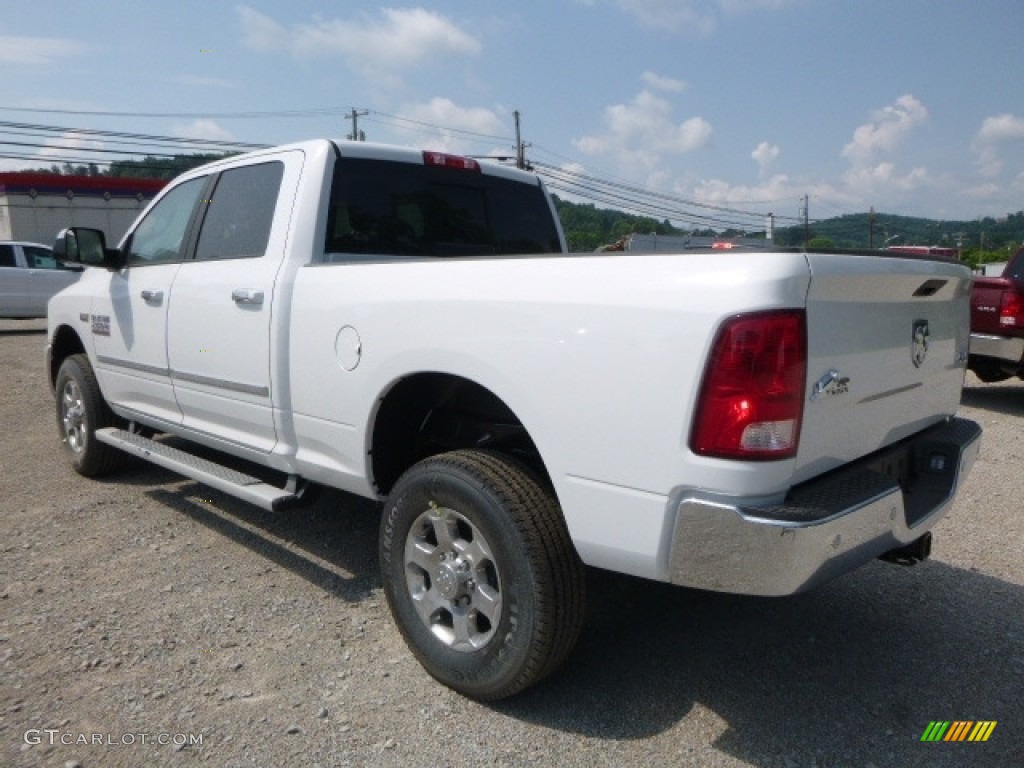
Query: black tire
x=81 y=410
x=480 y=573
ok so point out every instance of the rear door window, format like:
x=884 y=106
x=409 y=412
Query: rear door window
x=397 y=209
x=40 y=258
x=240 y=212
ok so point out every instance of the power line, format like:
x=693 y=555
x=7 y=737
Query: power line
x=155 y=138
x=586 y=186
x=648 y=202
x=312 y=112
x=434 y=126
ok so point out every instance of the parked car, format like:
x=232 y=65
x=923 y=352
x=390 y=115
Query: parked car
x=29 y=277
x=997 y=323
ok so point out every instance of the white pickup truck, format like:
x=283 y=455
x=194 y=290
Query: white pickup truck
x=407 y=326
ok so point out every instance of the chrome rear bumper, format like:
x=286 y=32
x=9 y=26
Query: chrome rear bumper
x=1000 y=347
x=827 y=526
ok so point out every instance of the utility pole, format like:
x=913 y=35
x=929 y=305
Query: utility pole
x=520 y=146
x=356 y=134
x=807 y=219
x=871 y=228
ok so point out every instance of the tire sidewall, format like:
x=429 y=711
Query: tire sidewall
x=495 y=667
x=71 y=370
x=95 y=458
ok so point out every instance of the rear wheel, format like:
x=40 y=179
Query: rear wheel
x=81 y=410
x=480 y=573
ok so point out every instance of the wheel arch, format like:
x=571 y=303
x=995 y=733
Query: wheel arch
x=429 y=412
x=65 y=342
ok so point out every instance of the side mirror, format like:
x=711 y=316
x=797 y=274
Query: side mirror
x=82 y=245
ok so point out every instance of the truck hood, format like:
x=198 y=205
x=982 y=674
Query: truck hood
x=887 y=350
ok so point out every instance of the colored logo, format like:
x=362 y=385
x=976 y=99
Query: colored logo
x=958 y=730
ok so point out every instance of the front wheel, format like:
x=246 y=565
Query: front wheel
x=81 y=410
x=480 y=573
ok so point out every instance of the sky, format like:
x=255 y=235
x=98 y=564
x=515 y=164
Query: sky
x=913 y=107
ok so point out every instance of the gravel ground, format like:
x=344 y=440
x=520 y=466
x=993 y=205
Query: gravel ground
x=146 y=608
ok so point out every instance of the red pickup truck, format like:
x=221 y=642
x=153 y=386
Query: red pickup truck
x=997 y=323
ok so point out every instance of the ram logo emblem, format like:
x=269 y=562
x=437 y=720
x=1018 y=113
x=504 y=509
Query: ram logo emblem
x=919 y=342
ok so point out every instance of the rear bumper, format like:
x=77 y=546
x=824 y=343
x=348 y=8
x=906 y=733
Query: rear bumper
x=1004 y=348
x=827 y=526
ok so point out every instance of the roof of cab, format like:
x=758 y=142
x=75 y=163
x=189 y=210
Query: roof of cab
x=371 y=150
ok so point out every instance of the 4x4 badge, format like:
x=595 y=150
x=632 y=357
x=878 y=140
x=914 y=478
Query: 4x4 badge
x=919 y=342
x=831 y=384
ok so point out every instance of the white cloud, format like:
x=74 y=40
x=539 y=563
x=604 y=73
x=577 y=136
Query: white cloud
x=640 y=133
x=1003 y=128
x=445 y=112
x=720 y=192
x=662 y=83
x=54 y=150
x=70 y=144
x=995 y=133
x=201 y=81
x=697 y=17
x=672 y=15
x=39 y=50
x=867 y=181
x=765 y=155
x=889 y=127
x=203 y=128
x=391 y=41
x=442 y=111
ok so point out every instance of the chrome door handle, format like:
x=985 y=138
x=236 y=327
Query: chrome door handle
x=153 y=296
x=242 y=296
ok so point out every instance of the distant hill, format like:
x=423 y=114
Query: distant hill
x=980 y=240
x=855 y=231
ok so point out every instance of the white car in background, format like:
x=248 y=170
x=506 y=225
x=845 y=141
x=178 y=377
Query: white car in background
x=29 y=278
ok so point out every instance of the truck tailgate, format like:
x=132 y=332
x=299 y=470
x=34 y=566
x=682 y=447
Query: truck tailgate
x=887 y=346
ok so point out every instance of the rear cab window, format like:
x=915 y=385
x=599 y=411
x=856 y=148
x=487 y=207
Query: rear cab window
x=392 y=209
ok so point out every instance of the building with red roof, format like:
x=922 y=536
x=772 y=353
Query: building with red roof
x=36 y=206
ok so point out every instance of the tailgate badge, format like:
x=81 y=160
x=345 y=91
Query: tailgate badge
x=919 y=342
x=831 y=384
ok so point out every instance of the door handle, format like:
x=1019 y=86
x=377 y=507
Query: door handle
x=242 y=296
x=154 y=297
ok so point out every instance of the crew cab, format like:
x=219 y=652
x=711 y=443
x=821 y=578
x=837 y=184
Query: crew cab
x=29 y=278
x=407 y=326
x=997 y=323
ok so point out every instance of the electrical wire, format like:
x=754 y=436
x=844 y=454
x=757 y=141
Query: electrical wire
x=598 y=189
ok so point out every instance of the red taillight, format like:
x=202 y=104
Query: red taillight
x=752 y=397
x=450 y=161
x=1011 y=310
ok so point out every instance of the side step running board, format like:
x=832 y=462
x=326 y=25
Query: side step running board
x=238 y=484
